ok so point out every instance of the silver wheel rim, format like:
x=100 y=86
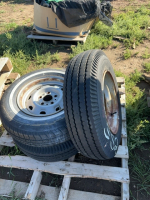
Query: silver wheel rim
x=41 y=97
x=110 y=103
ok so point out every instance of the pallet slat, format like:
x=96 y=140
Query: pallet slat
x=51 y=193
x=68 y=168
x=43 y=37
x=33 y=187
x=6 y=140
x=120 y=80
x=65 y=184
x=14 y=76
x=5 y=65
x=124 y=161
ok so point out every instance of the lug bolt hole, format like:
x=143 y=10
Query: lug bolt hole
x=58 y=108
x=52 y=102
x=42 y=103
x=30 y=107
x=43 y=112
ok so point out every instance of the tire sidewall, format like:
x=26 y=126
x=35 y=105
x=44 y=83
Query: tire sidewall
x=109 y=141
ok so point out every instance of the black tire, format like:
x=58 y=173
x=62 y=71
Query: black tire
x=84 y=105
x=49 y=153
x=43 y=130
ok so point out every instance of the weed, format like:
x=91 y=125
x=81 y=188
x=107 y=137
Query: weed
x=93 y=42
x=136 y=53
x=26 y=55
x=146 y=55
x=10 y=26
x=131 y=25
x=127 y=54
x=147 y=67
x=138 y=125
x=115 y=46
x=141 y=172
x=11 y=151
x=1 y=3
x=2 y=11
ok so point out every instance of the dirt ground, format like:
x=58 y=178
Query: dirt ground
x=22 y=13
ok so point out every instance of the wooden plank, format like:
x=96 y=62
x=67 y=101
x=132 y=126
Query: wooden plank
x=121 y=91
x=120 y=80
x=3 y=78
x=122 y=100
x=14 y=76
x=122 y=152
x=6 y=140
x=67 y=168
x=123 y=110
x=33 y=187
x=43 y=37
x=8 y=187
x=124 y=129
x=124 y=162
x=65 y=184
x=125 y=191
x=5 y=65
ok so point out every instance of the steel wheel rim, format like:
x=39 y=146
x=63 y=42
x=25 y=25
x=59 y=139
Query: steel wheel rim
x=111 y=105
x=42 y=97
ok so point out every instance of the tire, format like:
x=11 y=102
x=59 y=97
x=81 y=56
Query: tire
x=49 y=153
x=90 y=92
x=31 y=110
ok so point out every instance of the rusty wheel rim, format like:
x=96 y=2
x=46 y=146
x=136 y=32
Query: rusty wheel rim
x=41 y=97
x=110 y=102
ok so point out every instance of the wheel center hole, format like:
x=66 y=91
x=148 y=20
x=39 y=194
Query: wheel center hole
x=47 y=98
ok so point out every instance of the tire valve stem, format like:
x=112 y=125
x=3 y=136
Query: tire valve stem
x=113 y=113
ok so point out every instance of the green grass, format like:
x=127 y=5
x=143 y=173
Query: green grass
x=26 y=55
x=140 y=173
x=138 y=126
x=131 y=26
x=2 y=11
x=127 y=54
x=147 y=67
x=146 y=55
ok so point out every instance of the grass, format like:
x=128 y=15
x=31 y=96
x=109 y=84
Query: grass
x=140 y=172
x=127 y=54
x=138 y=125
x=2 y=11
x=131 y=26
x=147 y=67
x=146 y=55
x=26 y=55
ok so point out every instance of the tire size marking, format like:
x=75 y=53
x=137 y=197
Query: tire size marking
x=113 y=140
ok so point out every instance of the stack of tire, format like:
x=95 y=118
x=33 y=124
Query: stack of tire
x=53 y=114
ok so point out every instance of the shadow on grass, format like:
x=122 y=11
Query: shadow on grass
x=26 y=54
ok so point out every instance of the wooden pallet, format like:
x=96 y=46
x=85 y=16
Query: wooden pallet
x=68 y=169
x=6 y=77
x=55 y=39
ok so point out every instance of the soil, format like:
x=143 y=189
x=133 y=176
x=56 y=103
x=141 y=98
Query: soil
x=22 y=14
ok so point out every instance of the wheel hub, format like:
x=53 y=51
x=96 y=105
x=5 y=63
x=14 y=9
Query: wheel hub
x=41 y=99
x=111 y=103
